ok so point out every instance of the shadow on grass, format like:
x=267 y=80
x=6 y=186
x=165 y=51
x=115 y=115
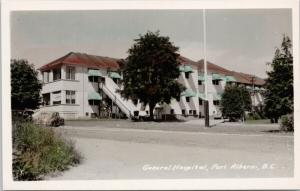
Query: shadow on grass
x=159 y=120
x=277 y=131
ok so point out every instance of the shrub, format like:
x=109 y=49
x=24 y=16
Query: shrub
x=253 y=116
x=259 y=110
x=38 y=151
x=235 y=102
x=287 y=123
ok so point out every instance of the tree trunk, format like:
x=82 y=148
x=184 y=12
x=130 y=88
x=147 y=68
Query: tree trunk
x=151 y=108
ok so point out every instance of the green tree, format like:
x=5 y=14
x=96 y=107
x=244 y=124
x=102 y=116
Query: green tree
x=279 y=84
x=25 y=86
x=235 y=101
x=151 y=71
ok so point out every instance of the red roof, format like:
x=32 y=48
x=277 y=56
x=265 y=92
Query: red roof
x=247 y=78
x=184 y=60
x=240 y=77
x=76 y=58
x=93 y=61
x=212 y=68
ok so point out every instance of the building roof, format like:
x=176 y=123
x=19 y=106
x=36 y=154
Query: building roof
x=247 y=78
x=102 y=62
x=213 y=68
x=239 y=76
x=88 y=60
x=183 y=60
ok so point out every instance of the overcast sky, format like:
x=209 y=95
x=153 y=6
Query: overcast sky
x=240 y=40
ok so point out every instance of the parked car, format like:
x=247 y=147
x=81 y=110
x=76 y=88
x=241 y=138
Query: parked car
x=48 y=119
x=22 y=114
x=218 y=115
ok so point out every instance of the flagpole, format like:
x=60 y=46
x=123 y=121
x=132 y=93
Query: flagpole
x=206 y=103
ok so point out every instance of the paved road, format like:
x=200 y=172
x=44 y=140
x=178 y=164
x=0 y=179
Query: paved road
x=186 y=152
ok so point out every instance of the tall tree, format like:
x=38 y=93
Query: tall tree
x=235 y=101
x=150 y=71
x=279 y=84
x=25 y=86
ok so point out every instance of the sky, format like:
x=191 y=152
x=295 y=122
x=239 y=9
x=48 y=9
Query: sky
x=243 y=40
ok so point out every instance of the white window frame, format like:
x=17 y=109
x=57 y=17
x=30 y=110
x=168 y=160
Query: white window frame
x=57 y=102
x=70 y=73
x=70 y=97
x=46 y=77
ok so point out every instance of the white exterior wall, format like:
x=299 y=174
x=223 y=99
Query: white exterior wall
x=192 y=84
x=80 y=85
x=257 y=99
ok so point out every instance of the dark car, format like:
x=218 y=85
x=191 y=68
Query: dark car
x=22 y=114
x=49 y=119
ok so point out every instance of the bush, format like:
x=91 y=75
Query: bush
x=253 y=116
x=259 y=110
x=235 y=102
x=38 y=151
x=287 y=123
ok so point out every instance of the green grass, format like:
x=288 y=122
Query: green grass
x=258 y=121
x=38 y=151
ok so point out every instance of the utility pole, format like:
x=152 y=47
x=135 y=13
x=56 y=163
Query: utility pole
x=252 y=92
x=206 y=103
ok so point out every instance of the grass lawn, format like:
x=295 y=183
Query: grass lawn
x=258 y=121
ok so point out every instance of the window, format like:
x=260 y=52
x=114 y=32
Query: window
x=199 y=82
x=172 y=111
x=56 y=98
x=215 y=82
x=194 y=112
x=56 y=102
x=178 y=98
x=46 y=77
x=183 y=112
x=216 y=102
x=56 y=74
x=70 y=73
x=200 y=101
x=70 y=97
x=187 y=75
x=93 y=78
x=187 y=99
x=190 y=112
x=94 y=102
x=46 y=99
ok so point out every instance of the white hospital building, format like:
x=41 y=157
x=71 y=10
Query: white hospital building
x=79 y=85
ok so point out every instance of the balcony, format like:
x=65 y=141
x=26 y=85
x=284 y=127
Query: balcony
x=59 y=85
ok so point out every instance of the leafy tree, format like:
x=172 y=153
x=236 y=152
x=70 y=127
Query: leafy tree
x=25 y=86
x=150 y=71
x=279 y=84
x=235 y=101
